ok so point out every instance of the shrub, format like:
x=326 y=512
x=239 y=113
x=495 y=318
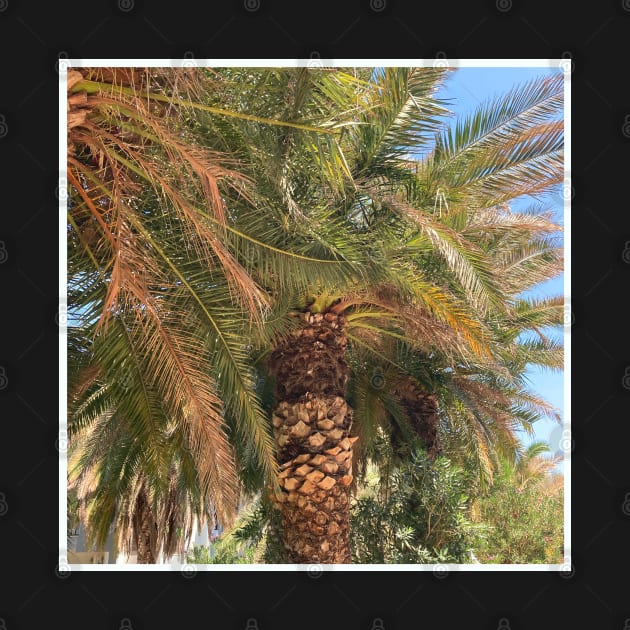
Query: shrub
x=418 y=514
x=526 y=523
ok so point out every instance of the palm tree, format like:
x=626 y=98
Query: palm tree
x=533 y=465
x=168 y=256
x=152 y=507
x=472 y=409
x=448 y=283
x=313 y=226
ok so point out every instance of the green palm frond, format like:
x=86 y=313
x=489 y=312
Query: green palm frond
x=463 y=258
x=401 y=114
x=543 y=352
x=528 y=264
x=507 y=147
x=110 y=468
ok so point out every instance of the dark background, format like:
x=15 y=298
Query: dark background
x=34 y=593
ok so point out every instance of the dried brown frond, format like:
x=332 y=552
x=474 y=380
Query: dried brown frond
x=122 y=141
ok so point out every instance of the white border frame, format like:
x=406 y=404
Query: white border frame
x=315 y=570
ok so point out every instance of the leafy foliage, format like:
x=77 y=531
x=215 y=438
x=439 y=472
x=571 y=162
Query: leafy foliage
x=526 y=525
x=222 y=551
x=524 y=512
x=416 y=513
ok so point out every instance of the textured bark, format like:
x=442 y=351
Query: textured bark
x=422 y=410
x=312 y=423
x=145 y=530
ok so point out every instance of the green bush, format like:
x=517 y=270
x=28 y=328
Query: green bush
x=417 y=514
x=226 y=551
x=526 y=524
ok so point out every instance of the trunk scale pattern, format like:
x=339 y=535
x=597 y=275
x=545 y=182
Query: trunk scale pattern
x=312 y=429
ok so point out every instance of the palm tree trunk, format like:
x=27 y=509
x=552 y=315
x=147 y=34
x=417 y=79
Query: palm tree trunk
x=423 y=412
x=144 y=529
x=311 y=424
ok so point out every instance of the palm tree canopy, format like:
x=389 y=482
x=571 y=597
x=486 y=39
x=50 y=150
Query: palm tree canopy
x=208 y=205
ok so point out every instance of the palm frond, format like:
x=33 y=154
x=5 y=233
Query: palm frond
x=401 y=112
x=507 y=147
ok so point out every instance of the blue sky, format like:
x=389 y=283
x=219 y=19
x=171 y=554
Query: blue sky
x=469 y=87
